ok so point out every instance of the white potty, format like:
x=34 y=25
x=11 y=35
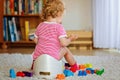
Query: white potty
x=47 y=67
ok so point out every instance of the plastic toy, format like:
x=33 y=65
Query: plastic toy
x=100 y=72
x=68 y=73
x=82 y=73
x=90 y=71
x=73 y=70
x=20 y=74
x=28 y=74
x=88 y=65
x=67 y=66
x=60 y=76
x=12 y=73
x=82 y=67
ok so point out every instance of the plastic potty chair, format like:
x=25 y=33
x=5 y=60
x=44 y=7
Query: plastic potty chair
x=47 y=67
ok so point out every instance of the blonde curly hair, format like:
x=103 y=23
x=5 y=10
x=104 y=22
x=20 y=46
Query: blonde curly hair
x=52 y=8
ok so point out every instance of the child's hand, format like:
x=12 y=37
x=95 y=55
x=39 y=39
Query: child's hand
x=73 y=37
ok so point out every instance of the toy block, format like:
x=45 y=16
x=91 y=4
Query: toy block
x=28 y=74
x=12 y=73
x=82 y=73
x=100 y=72
x=82 y=67
x=88 y=65
x=20 y=74
x=67 y=66
x=73 y=70
x=68 y=73
x=96 y=70
x=88 y=71
x=92 y=71
x=60 y=76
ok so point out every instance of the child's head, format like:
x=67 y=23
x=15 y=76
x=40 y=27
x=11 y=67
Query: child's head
x=52 y=9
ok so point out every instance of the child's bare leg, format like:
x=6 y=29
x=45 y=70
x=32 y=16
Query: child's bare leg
x=66 y=53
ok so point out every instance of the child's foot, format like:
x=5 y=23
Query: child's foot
x=74 y=68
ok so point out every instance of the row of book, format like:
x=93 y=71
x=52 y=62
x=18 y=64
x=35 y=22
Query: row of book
x=21 y=7
x=13 y=32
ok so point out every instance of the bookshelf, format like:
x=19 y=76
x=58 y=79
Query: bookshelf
x=13 y=21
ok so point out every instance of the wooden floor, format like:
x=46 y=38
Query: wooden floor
x=98 y=52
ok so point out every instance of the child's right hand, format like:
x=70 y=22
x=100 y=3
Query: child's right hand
x=73 y=37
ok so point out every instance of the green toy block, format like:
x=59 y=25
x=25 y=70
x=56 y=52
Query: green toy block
x=100 y=72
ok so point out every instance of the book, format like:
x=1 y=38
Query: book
x=8 y=7
x=20 y=7
x=26 y=30
x=11 y=31
x=19 y=31
x=15 y=29
x=12 y=6
x=16 y=7
x=40 y=5
x=5 y=32
x=26 y=6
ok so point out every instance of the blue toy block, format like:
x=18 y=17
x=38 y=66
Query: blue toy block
x=92 y=71
x=68 y=73
x=12 y=73
x=89 y=69
x=65 y=72
x=82 y=73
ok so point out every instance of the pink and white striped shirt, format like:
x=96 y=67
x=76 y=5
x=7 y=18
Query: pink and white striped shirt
x=48 y=34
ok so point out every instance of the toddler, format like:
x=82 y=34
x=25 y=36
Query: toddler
x=50 y=36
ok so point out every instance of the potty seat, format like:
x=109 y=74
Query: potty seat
x=47 y=67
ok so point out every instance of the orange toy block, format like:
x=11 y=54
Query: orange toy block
x=82 y=67
x=60 y=76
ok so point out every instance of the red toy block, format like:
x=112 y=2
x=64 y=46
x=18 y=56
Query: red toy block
x=73 y=70
x=20 y=74
x=88 y=71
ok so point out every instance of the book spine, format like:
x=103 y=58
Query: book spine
x=8 y=7
x=5 y=29
x=26 y=7
x=40 y=5
x=12 y=6
x=16 y=7
x=26 y=30
x=20 y=7
x=15 y=29
x=11 y=31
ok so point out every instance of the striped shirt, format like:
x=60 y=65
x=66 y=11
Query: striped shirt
x=48 y=34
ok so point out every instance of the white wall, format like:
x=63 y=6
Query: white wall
x=78 y=15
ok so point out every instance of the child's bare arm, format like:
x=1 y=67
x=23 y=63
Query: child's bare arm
x=65 y=41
